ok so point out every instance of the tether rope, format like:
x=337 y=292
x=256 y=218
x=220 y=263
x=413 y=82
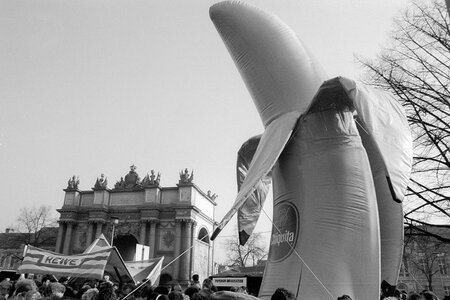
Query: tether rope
x=301 y=259
x=279 y=231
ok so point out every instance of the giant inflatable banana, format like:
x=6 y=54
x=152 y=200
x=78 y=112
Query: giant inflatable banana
x=339 y=155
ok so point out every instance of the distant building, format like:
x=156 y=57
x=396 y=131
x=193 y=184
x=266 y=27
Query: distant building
x=152 y=221
x=12 y=245
x=425 y=260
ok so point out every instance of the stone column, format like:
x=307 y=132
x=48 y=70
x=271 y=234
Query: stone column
x=59 y=238
x=90 y=233
x=185 y=248
x=68 y=238
x=152 y=238
x=142 y=233
x=99 y=229
x=191 y=242
x=176 y=264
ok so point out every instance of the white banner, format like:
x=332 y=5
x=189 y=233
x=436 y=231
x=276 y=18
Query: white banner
x=230 y=281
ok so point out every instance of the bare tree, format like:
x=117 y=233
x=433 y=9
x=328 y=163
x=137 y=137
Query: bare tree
x=247 y=255
x=33 y=223
x=416 y=68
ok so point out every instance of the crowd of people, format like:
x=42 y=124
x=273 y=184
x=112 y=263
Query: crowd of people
x=51 y=289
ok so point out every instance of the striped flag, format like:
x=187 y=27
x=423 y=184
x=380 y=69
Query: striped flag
x=89 y=265
x=146 y=269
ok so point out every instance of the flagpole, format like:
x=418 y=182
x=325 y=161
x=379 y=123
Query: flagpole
x=25 y=249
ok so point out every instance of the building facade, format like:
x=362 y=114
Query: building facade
x=426 y=263
x=174 y=222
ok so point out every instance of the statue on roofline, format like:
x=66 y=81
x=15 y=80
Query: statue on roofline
x=73 y=182
x=120 y=185
x=101 y=183
x=151 y=180
x=185 y=177
x=211 y=195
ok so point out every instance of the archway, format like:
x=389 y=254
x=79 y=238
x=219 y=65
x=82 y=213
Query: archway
x=203 y=235
x=126 y=245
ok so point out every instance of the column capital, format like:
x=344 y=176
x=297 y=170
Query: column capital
x=187 y=221
x=149 y=221
x=68 y=222
x=97 y=221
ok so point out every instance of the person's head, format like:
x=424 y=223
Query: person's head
x=234 y=289
x=195 y=277
x=282 y=294
x=152 y=296
x=202 y=295
x=90 y=294
x=163 y=290
x=162 y=297
x=191 y=290
x=127 y=288
x=58 y=289
x=176 y=295
x=209 y=285
x=344 y=297
x=63 y=280
x=25 y=285
x=46 y=281
x=221 y=295
x=415 y=296
x=106 y=277
x=403 y=295
x=83 y=289
x=89 y=284
x=106 y=292
x=33 y=295
x=175 y=287
x=429 y=295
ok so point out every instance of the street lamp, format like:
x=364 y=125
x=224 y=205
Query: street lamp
x=115 y=221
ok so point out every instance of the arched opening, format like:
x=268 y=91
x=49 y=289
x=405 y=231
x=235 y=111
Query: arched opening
x=203 y=235
x=126 y=244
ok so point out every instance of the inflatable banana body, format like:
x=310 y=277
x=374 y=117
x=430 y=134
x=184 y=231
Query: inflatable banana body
x=325 y=237
x=339 y=155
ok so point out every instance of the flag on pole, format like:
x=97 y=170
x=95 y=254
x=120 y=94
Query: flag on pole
x=146 y=269
x=40 y=261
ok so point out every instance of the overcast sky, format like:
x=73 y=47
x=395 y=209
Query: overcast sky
x=90 y=87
